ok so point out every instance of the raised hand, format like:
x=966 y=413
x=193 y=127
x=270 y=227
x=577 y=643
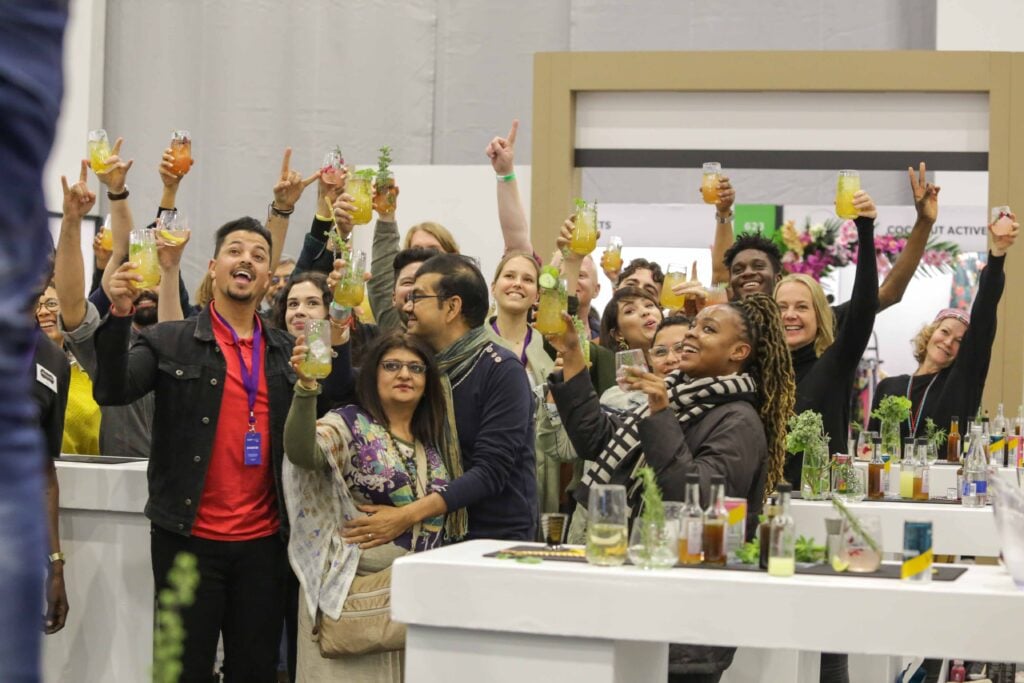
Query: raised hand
x=565 y=237
x=330 y=191
x=117 y=169
x=864 y=204
x=122 y=289
x=167 y=175
x=926 y=195
x=78 y=199
x=342 y=211
x=290 y=185
x=1003 y=239
x=299 y=352
x=502 y=151
x=385 y=201
x=168 y=252
x=726 y=195
x=100 y=252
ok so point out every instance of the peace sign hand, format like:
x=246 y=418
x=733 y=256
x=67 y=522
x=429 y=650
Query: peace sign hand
x=502 y=151
x=290 y=186
x=78 y=199
x=926 y=195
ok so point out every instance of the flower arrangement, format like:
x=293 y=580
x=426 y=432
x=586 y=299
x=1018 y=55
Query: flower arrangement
x=817 y=249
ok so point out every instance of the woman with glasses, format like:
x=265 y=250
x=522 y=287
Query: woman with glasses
x=388 y=449
x=667 y=346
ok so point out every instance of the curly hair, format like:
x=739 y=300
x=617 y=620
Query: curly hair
x=771 y=366
x=641 y=264
x=920 y=341
x=754 y=240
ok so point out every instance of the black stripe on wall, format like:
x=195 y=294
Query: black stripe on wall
x=812 y=160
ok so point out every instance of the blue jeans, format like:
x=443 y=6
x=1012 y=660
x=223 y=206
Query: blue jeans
x=31 y=37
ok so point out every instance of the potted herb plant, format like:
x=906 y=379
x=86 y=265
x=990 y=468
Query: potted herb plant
x=807 y=435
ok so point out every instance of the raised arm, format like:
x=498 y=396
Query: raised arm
x=69 y=268
x=287 y=193
x=724 y=236
x=381 y=288
x=170 y=180
x=853 y=335
x=121 y=221
x=122 y=375
x=515 y=228
x=926 y=199
x=169 y=255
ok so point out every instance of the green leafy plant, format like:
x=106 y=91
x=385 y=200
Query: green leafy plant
x=384 y=175
x=808 y=551
x=936 y=437
x=893 y=408
x=654 y=505
x=169 y=638
x=807 y=435
x=749 y=552
x=367 y=174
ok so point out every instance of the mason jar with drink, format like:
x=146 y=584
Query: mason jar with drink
x=360 y=187
x=317 y=364
x=349 y=290
x=584 y=231
x=711 y=175
x=554 y=301
x=142 y=252
x=181 y=152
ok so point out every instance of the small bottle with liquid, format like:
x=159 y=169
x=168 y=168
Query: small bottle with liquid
x=997 y=439
x=716 y=519
x=953 y=441
x=922 y=470
x=763 y=529
x=782 y=553
x=957 y=671
x=877 y=478
x=975 y=491
x=907 y=470
x=691 y=524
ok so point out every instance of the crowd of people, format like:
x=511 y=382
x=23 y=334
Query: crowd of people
x=446 y=416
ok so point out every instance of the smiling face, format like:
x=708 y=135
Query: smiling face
x=515 y=288
x=637 y=322
x=751 y=272
x=714 y=343
x=944 y=343
x=241 y=270
x=797 y=312
x=666 y=351
x=402 y=386
x=47 y=312
x=305 y=302
x=426 y=315
x=642 y=278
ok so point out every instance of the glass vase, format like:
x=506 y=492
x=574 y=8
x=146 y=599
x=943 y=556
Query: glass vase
x=814 y=475
x=891 y=439
x=654 y=545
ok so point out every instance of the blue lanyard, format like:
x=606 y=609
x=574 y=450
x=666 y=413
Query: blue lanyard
x=250 y=378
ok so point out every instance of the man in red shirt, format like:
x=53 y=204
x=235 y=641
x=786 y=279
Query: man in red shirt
x=222 y=385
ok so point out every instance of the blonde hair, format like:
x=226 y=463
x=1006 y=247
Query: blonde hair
x=438 y=232
x=204 y=292
x=822 y=311
x=511 y=255
x=920 y=342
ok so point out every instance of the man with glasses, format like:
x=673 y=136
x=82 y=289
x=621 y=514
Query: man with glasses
x=492 y=404
x=284 y=270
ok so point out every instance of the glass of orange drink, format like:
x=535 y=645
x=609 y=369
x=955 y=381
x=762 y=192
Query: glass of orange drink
x=711 y=174
x=181 y=150
x=611 y=259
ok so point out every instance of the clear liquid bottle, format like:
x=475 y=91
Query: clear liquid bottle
x=782 y=553
x=975 y=493
x=921 y=471
x=716 y=519
x=953 y=441
x=907 y=470
x=877 y=479
x=691 y=524
x=997 y=441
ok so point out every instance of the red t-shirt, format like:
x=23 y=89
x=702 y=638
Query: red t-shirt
x=239 y=502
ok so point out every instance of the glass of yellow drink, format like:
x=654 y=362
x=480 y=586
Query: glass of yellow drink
x=99 y=150
x=554 y=301
x=317 y=364
x=584 y=233
x=711 y=173
x=607 y=533
x=142 y=251
x=611 y=259
x=848 y=185
x=675 y=274
x=359 y=186
x=349 y=290
x=181 y=150
x=107 y=238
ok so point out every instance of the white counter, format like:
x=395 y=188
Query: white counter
x=474 y=619
x=109 y=631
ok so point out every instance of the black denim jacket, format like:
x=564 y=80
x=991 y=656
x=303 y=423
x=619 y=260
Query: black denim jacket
x=182 y=364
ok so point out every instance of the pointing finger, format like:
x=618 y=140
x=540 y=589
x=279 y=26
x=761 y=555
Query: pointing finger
x=64 y=184
x=921 y=170
x=512 y=132
x=286 y=162
x=82 y=176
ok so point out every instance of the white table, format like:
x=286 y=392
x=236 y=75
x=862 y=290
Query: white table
x=941 y=477
x=109 y=631
x=474 y=619
x=956 y=530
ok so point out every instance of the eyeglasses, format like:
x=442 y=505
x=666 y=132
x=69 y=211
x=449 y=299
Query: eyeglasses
x=663 y=351
x=415 y=297
x=392 y=367
x=49 y=304
x=278 y=279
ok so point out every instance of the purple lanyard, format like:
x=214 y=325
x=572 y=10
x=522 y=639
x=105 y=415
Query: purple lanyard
x=250 y=378
x=526 y=341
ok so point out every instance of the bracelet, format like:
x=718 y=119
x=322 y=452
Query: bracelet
x=123 y=194
x=56 y=557
x=506 y=178
x=118 y=315
x=279 y=212
x=724 y=218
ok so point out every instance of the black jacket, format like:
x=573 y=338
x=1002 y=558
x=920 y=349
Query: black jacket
x=182 y=364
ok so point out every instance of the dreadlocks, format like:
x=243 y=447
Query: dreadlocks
x=771 y=366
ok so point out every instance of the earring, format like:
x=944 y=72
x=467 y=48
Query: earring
x=623 y=346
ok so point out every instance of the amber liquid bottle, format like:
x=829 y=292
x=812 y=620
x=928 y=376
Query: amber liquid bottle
x=953 y=443
x=876 y=471
x=715 y=518
x=763 y=533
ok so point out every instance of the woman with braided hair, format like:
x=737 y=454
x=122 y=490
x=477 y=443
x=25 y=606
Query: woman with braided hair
x=723 y=411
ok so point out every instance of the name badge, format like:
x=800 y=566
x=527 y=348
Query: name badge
x=253 y=449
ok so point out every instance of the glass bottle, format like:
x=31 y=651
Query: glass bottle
x=782 y=553
x=953 y=441
x=1015 y=444
x=997 y=439
x=907 y=470
x=975 y=473
x=716 y=519
x=921 y=471
x=764 y=532
x=877 y=477
x=957 y=671
x=691 y=524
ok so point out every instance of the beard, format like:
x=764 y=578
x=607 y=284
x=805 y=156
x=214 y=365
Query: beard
x=146 y=316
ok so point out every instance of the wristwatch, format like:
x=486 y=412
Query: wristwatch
x=56 y=557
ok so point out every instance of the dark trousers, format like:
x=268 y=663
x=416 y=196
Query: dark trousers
x=240 y=595
x=694 y=678
x=835 y=668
